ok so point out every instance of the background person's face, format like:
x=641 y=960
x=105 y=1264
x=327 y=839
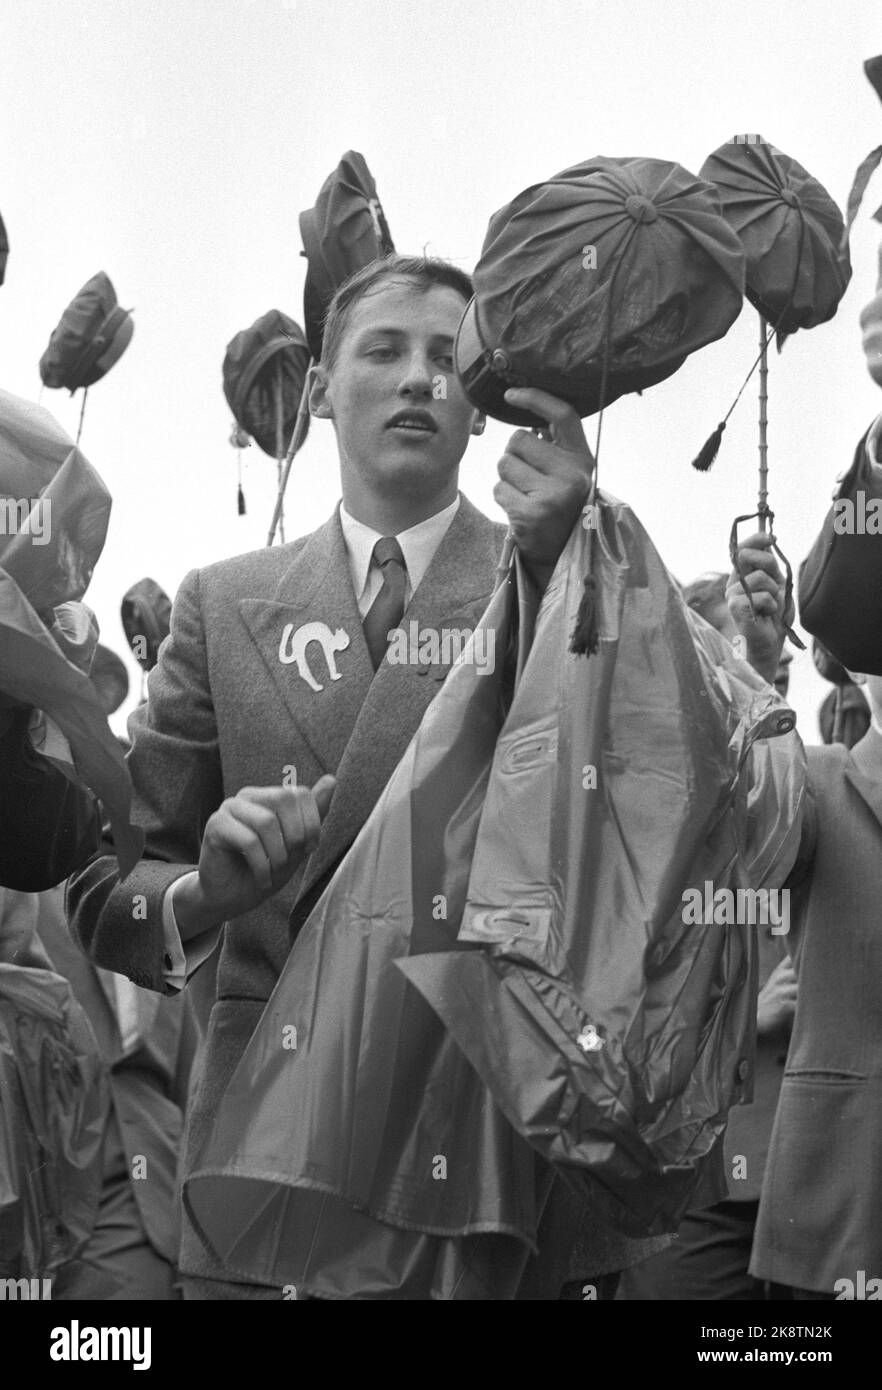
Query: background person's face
x=401 y=417
x=874 y=695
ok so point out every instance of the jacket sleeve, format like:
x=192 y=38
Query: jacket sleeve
x=779 y=823
x=176 y=774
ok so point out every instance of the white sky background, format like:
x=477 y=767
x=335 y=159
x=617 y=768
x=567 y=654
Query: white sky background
x=173 y=143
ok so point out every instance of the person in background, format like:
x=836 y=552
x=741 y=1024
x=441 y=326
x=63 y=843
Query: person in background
x=707 y=595
x=711 y=1256
x=148 y=1044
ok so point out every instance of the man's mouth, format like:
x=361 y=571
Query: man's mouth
x=416 y=422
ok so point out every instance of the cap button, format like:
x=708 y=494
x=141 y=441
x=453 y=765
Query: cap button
x=789 y=197
x=642 y=209
x=499 y=361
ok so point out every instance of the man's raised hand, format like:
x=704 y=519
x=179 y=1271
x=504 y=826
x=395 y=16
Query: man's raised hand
x=764 y=633
x=543 y=483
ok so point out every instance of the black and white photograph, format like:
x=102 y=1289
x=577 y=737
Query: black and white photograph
x=441 y=668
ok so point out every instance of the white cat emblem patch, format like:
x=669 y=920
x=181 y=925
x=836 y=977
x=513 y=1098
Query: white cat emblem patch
x=293 y=645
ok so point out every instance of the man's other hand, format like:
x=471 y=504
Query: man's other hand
x=776 y=1004
x=763 y=634
x=543 y=483
x=252 y=845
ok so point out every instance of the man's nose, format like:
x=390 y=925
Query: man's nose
x=416 y=379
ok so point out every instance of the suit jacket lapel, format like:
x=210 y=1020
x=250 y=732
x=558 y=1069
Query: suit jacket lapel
x=454 y=593
x=862 y=770
x=309 y=632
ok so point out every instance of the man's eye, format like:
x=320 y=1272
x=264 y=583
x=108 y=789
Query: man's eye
x=382 y=353
x=446 y=359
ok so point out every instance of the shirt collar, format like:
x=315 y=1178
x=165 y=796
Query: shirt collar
x=418 y=544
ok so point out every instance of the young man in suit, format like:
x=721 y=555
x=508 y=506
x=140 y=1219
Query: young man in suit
x=819 y=1229
x=275 y=671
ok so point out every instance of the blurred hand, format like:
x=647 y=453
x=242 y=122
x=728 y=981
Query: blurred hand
x=543 y=483
x=252 y=845
x=763 y=634
x=871 y=323
x=776 y=1004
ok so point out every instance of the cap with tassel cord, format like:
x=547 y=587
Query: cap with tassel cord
x=792 y=233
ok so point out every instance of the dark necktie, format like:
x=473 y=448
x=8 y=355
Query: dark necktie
x=386 y=611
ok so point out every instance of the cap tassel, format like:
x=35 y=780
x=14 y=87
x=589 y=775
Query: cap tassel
x=241 y=501
x=709 y=449
x=586 y=637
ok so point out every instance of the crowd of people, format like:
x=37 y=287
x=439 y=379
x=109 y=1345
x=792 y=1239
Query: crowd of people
x=254 y=772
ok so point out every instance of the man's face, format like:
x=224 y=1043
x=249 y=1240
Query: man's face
x=401 y=417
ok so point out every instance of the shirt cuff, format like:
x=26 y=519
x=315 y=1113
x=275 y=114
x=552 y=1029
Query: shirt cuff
x=183 y=959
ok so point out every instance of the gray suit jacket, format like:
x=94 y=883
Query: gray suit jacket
x=225 y=712
x=820 y=1216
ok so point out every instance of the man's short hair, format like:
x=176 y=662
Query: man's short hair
x=705 y=594
x=424 y=272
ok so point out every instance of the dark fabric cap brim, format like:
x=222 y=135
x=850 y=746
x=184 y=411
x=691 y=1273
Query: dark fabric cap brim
x=485 y=386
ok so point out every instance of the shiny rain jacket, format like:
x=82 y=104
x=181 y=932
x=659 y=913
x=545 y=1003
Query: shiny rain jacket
x=498 y=991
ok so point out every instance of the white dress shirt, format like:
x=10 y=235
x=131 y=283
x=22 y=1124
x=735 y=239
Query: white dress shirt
x=418 y=545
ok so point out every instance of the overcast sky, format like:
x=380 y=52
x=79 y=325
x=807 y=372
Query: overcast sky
x=173 y=143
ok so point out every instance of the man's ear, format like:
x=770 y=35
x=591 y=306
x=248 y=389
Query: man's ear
x=479 y=422
x=319 y=404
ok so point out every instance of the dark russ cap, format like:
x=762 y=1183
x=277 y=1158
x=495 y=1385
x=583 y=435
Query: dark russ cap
x=792 y=232
x=264 y=372
x=615 y=269
x=91 y=336
x=345 y=231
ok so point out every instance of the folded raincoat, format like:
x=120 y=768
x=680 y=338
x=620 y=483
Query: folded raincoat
x=501 y=990
x=55 y=512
